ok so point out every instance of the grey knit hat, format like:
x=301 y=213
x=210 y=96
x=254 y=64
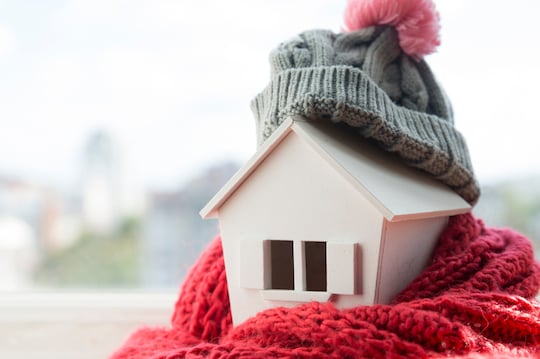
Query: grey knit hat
x=364 y=79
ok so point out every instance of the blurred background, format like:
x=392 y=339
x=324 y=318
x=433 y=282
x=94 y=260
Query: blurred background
x=122 y=118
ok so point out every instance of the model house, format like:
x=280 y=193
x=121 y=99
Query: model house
x=319 y=213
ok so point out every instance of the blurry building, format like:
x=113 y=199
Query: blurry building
x=18 y=253
x=174 y=234
x=30 y=222
x=100 y=184
x=107 y=195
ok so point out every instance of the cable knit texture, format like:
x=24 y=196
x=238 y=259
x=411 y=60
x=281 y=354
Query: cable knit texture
x=474 y=300
x=363 y=79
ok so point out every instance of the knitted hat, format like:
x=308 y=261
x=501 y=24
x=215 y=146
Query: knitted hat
x=373 y=78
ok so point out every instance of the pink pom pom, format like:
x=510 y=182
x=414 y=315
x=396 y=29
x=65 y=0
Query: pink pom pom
x=416 y=21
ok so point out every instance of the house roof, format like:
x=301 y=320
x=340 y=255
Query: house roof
x=396 y=190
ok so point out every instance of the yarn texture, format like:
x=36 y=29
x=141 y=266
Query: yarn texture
x=363 y=79
x=474 y=300
x=416 y=21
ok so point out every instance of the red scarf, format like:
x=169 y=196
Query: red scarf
x=475 y=300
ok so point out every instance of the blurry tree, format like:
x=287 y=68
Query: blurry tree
x=95 y=260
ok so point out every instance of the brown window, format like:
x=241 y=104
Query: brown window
x=315 y=266
x=282 y=264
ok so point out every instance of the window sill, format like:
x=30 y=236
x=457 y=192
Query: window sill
x=76 y=325
x=294 y=296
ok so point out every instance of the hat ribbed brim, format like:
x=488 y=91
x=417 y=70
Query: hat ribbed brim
x=346 y=94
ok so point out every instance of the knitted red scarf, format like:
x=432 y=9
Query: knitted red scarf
x=475 y=300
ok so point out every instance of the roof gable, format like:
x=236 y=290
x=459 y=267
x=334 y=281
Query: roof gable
x=396 y=190
x=210 y=210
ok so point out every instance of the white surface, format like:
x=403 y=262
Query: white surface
x=76 y=325
x=294 y=297
x=342 y=267
x=405 y=251
x=252 y=264
x=299 y=267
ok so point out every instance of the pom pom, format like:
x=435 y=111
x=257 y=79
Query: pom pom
x=416 y=21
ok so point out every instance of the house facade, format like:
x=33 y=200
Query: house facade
x=318 y=215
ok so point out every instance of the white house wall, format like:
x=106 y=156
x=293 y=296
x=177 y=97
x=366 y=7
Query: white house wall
x=295 y=195
x=405 y=251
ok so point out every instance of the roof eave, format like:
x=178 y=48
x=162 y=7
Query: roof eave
x=210 y=210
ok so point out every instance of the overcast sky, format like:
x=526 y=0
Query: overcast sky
x=172 y=80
